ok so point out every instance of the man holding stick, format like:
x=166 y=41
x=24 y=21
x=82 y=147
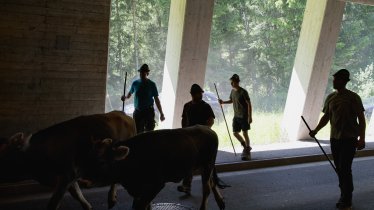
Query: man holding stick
x=242 y=114
x=146 y=94
x=343 y=108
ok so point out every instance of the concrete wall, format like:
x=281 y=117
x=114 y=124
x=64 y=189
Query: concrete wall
x=53 y=61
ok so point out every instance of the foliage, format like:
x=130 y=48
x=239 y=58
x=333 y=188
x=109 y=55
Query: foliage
x=254 y=38
x=257 y=40
x=355 y=48
x=138 y=30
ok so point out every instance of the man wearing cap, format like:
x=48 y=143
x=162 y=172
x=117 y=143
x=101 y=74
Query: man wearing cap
x=343 y=108
x=197 y=112
x=146 y=94
x=242 y=114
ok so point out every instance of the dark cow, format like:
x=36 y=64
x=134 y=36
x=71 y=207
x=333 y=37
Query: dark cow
x=153 y=158
x=58 y=155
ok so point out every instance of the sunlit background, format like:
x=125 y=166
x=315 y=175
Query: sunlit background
x=256 y=39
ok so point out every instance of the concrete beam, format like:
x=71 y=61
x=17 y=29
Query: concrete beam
x=370 y=128
x=314 y=56
x=366 y=2
x=186 y=54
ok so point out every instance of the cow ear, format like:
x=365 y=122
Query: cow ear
x=16 y=138
x=19 y=140
x=121 y=152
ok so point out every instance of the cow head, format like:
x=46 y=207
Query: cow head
x=16 y=143
x=105 y=150
x=99 y=165
x=12 y=159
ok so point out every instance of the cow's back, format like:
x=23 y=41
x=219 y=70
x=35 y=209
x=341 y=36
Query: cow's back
x=168 y=155
x=69 y=144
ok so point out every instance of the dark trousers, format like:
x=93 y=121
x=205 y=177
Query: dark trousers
x=144 y=119
x=343 y=151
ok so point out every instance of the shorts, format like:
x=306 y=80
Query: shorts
x=239 y=124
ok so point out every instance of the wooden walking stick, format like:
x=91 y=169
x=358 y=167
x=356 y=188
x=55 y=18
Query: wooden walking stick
x=327 y=157
x=124 y=92
x=223 y=113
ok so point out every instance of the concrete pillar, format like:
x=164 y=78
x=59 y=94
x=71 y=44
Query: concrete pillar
x=186 y=55
x=314 y=56
x=370 y=128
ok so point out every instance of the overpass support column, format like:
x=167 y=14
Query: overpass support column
x=314 y=56
x=186 y=55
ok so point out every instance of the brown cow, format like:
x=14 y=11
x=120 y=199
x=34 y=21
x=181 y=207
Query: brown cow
x=58 y=155
x=149 y=160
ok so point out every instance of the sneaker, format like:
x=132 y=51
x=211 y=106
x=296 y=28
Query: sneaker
x=246 y=154
x=343 y=205
x=184 y=189
x=248 y=149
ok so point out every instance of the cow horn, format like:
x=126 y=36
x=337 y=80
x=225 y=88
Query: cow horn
x=107 y=141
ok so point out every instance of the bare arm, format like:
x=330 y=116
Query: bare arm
x=158 y=104
x=210 y=121
x=184 y=122
x=225 y=102
x=123 y=97
x=322 y=122
x=362 y=126
x=249 y=111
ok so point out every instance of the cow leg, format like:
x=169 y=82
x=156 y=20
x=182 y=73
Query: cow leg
x=205 y=181
x=76 y=193
x=217 y=195
x=144 y=201
x=59 y=191
x=112 y=196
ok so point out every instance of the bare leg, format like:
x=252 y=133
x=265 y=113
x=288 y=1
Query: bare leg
x=240 y=139
x=246 y=137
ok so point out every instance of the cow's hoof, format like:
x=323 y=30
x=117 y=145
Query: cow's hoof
x=221 y=204
x=112 y=203
x=184 y=189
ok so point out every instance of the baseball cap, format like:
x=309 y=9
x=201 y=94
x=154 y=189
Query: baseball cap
x=235 y=77
x=195 y=88
x=342 y=74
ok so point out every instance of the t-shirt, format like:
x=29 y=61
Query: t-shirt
x=144 y=93
x=197 y=113
x=343 y=109
x=239 y=99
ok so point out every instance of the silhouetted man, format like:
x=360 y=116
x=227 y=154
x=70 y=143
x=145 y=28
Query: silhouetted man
x=342 y=108
x=197 y=112
x=242 y=115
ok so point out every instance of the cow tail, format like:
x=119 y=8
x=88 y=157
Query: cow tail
x=217 y=181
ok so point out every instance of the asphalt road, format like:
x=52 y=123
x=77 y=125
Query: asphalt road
x=297 y=187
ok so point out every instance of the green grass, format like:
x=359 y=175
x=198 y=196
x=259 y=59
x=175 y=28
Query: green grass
x=265 y=129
